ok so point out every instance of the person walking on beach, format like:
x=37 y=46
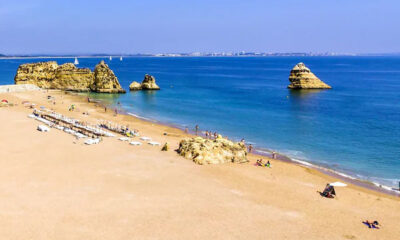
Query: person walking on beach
x=105 y=109
x=250 y=148
x=274 y=155
x=206 y=134
x=186 y=130
x=116 y=112
x=197 y=129
x=215 y=135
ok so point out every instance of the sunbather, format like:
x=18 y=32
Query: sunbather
x=373 y=224
x=259 y=162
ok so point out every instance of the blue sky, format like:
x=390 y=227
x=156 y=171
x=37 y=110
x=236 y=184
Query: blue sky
x=151 y=26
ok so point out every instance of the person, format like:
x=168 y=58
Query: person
x=250 y=148
x=274 y=155
x=215 y=135
x=259 y=162
x=197 y=129
x=186 y=130
x=105 y=109
x=88 y=100
x=207 y=134
x=268 y=164
x=374 y=224
x=116 y=112
x=165 y=147
x=242 y=141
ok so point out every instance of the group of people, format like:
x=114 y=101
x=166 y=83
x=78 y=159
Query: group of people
x=120 y=129
x=260 y=163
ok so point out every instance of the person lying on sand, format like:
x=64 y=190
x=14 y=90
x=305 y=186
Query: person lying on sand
x=259 y=162
x=373 y=224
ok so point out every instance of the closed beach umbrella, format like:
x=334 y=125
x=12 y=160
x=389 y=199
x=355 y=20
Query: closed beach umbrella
x=338 y=184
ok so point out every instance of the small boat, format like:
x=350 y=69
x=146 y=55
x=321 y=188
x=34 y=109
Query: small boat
x=76 y=61
x=120 y=58
x=110 y=58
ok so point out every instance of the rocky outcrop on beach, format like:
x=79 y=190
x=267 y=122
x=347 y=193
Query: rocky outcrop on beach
x=301 y=77
x=206 y=151
x=105 y=80
x=50 y=75
x=148 y=83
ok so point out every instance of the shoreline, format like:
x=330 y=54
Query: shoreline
x=262 y=152
x=54 y=184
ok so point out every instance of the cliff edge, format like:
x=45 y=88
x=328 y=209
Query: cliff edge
x=50 y=75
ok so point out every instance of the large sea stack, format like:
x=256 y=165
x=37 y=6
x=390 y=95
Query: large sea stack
x=302 y=78
x=206 y=151
x=50 y=75
x=148 y=83
x=105 y=80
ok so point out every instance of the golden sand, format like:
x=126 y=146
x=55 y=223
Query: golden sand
x=55 y=187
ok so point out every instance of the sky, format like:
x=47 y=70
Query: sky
x=169 y=26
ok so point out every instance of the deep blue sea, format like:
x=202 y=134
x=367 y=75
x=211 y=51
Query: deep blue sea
x=353 y=128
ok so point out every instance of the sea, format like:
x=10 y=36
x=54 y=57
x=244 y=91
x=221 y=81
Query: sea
x=353 y=128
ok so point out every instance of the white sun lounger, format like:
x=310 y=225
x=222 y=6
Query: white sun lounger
x=154 y=143
x=135 y=143
x=145 y=138
x=91 y=141
x=43 y=128
x=123 y=139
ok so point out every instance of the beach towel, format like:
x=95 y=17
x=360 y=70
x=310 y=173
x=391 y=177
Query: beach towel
x=145 y=138
x=135 y=143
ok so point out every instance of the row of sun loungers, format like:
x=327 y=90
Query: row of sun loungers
x=52 y=119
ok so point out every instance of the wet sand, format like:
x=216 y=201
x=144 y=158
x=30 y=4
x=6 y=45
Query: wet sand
x=55 y=187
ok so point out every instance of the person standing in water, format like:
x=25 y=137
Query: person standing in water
x=250 y=148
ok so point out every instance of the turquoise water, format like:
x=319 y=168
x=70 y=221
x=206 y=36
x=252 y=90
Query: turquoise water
x=353 y=128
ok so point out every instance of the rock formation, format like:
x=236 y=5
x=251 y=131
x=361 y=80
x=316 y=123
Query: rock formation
x=105 y=80
x=50 y=75
x=135 y=86
x=302 y=78
x=148 y=83
x=205 y=151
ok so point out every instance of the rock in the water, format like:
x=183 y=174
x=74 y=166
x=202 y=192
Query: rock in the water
x=205 y=151
x=148 y=83
x=135 y=86
x=50 y=75
x=105 y=80
x=302 y=78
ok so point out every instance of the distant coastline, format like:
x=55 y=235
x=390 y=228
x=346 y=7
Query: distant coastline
x=195 y=54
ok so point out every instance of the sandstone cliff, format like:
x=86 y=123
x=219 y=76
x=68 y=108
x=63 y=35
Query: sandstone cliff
x=50 y=75
x=148 y=83
x=105 y=80
x=205 y=151
x=302 y=78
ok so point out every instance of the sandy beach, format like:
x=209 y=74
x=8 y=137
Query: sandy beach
x=56 y=187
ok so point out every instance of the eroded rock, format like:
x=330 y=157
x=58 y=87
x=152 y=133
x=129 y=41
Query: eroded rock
x=206 y=151
x=50 y=75
x=148 y=83
x=301 y=77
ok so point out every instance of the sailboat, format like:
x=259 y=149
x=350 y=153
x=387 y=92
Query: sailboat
x=120 y=58
x=76 y=61
x=110 y=58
